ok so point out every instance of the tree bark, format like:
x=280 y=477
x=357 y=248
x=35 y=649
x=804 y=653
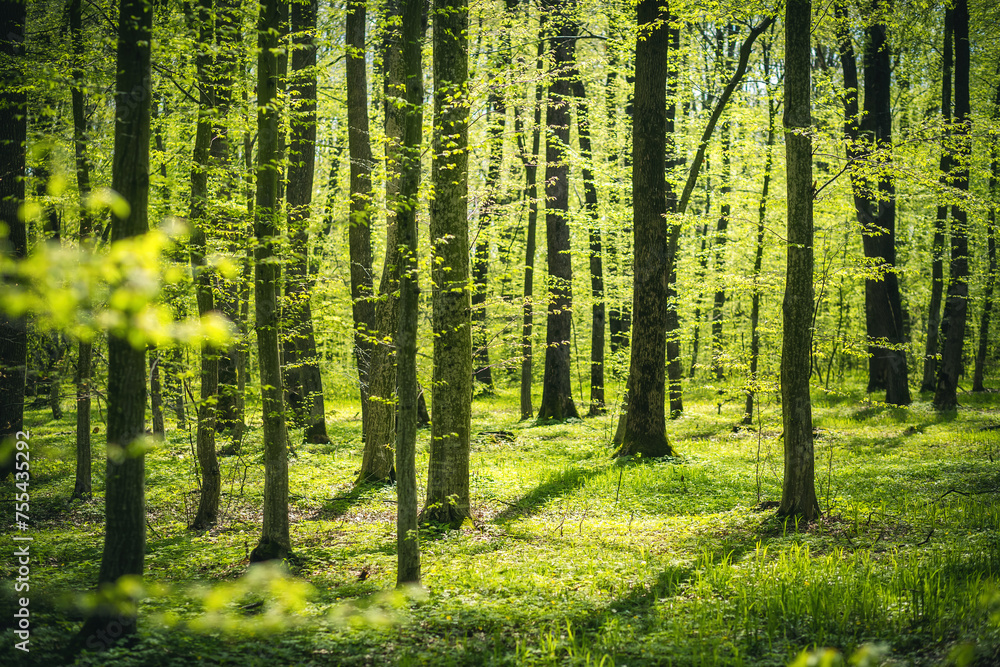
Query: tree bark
x=407 y=531
x=451 y=391
x=274 y=541
x=125 y=497
x=721 y=226
x=598 y=323
x=932 y=348
x=874 y=200
x=531 y=189
x=303 y=381
x=957 y=302
x=83 y=483
x=359 y=225
x=557 y=392
x=645 y=428
x=991 y=254
x=798 y=497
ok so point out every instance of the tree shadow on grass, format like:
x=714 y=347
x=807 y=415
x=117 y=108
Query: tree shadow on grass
x=557 y=484
x=337 y=506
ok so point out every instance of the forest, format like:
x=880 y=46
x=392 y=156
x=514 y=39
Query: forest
x=520 y=332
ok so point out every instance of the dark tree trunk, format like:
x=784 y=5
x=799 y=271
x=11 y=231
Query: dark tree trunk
x=874 y=201
x=991 y=253
x=13 y=135
x=359 y=225
x=753 y=382
x=125 y=496
x=557 y=392
x=451 y=391
x=531 y=189
x=83 y=485
x=274 y=540
x=932 y=348
x=156 y=393
x=596 y=264
x=303 y=382
x=407 y=531
x=645 y=428
x=798 y=497
x=957 y=302
x=481 y=258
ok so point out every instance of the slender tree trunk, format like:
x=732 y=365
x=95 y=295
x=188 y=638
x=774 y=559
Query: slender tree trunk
x=798 y=497
x=957 y=302
x=274 y=541
x=598 y=324
x=13 y=135
x=531 y=189
x=932 y=348
x=753 y=381
x=407 y=531
x=380 y=432
x=451 y=391
x=557 y=392
x=645 y=429
x=359 y=225
x=991 y=253
x=83 y=484
x=125 y=495
x=156 y=393
x=304 y=383
x=721 y=226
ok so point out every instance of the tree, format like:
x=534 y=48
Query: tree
x=13 y=134
x=125 y=493
x=991 y=257
x=957 y=302
x=557 y=392
x=211 y=475
x=798 y=497
x=407 y=532
x=932 y=347
x=274 y=540
x=645 y=428
x=451 y=391
x=359 y=230
x=303 y=382
x=869 y=143
x=82 y=485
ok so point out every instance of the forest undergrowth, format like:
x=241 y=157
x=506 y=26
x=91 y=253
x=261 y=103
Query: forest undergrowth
x=574 y=558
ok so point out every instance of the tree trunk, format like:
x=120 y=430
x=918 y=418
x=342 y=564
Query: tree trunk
x=991 y=253
x=274 y=540
x=359 y=225
x=125 y=497
x=83 y=484
x=155 y=393
x=753 y=382
x=645 y=429
x=303 y=382
x=380 y=431
x=957 y=302
x=451 y=391
x=13 y=135
x=407 y=531
x=932 y=348
x=798 y=497
x=557 y=392
x=531 y=189
x=721 y=226
x=596 y=264
x=874 y=201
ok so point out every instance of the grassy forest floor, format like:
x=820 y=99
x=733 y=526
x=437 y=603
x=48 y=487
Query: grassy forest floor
x=574 y=558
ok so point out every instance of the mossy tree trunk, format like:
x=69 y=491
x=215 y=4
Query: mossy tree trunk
x=274 y=540
x=451 y=391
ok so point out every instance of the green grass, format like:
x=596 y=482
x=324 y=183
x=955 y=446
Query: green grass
x=574 y=558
